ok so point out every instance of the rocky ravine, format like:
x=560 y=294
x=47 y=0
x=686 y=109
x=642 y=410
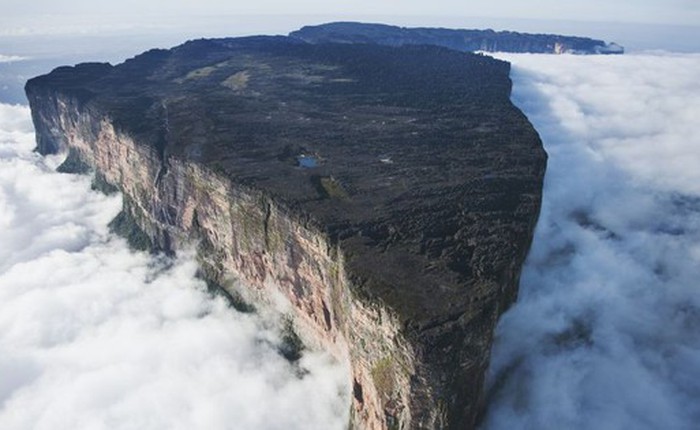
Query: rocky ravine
x=388 y=194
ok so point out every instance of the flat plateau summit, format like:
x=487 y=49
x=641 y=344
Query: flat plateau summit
x=389 y=193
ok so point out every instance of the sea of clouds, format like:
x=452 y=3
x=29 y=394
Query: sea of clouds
x=606 y=332
x=95 y=336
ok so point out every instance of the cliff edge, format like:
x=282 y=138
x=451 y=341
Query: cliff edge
x=388 y=193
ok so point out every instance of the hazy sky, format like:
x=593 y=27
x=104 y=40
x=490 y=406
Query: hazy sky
x=648 y=11
x=638 y=25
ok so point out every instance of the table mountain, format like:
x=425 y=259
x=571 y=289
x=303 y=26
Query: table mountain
x=460 y=40
x=389 y=194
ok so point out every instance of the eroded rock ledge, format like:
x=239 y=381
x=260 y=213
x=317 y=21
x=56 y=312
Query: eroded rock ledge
x=390 y=194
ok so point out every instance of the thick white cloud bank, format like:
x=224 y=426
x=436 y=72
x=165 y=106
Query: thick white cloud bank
x=606 y=333
x=94 y=336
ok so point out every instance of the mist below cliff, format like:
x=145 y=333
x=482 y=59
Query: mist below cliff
x=95 y=336
x=605 y=334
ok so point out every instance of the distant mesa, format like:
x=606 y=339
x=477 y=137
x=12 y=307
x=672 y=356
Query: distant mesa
x=460 y=40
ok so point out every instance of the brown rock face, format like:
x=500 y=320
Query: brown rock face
x=388 y=194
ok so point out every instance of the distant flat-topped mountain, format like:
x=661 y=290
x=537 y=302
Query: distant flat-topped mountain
x=460 y=40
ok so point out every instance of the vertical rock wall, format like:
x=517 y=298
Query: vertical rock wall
x=243 y=235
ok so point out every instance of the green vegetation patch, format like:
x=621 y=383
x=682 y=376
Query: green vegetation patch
x=74 y=164
x=291 y=347
x=125 y=226
x=99 y=183
x=329 y=187
x=232 y=298
x=237 y=81
x=383 y=377
x=199 y=73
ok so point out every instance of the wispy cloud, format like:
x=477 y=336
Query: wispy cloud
x=10 y=58
x=94 y=336
x=606 y=334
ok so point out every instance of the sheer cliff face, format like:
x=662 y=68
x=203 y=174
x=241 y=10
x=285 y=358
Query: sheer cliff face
x=389 y=195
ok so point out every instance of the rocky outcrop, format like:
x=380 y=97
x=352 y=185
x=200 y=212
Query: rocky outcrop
x=388 y=194
x=461 y=40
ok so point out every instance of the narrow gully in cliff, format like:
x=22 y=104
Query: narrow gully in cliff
x=162 y=144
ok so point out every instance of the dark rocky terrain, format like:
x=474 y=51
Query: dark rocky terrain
x=460 y=40
x=389 y=192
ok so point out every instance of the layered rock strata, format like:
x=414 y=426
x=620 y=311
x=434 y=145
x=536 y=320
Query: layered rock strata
x=388 y=194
